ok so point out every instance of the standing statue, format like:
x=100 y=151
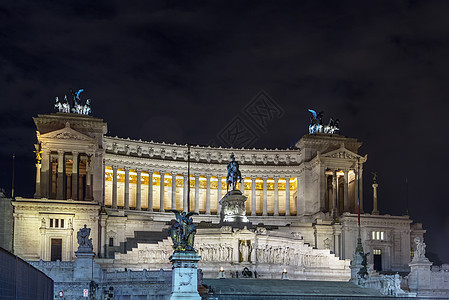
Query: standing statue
x=374 y=177
x=83 y=239
x=244 y=249
x=183 y=231
x=234 y=174
x=420 y=249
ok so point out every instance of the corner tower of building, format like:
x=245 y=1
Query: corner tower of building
x=70 y=157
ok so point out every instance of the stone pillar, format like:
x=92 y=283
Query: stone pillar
x=208 y=194
x=75 y=175
x=185 y=276
x=139 y=190
x=162 y=191
x=197 y=193
x=334 y=194
x=37 y=194
x=173 y=190
x=242 y=186
x=287 y=195
x=361 y=190
x=45 y=174
x=60 y=183
x=150 y=190
x=253 y=195
x=220 y=179
x=127 y=188
x=264 y=178
x=89 y=191
x=114 y=187
x=346 y=191
x=185 y=193
x=276 y=195
x=356 y=190
x=375 y=211
x=102 y=248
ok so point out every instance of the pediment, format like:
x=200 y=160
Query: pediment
x=342 y=153
x=67 y=133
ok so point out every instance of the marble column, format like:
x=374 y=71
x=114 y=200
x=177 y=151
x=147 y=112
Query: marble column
x=287 y=195
x=114 y=187
x=356 y=190
x=208 y=194
x=265 y=200
x=162 y=191
x=253 y=195
x=334 y=194
x=242 y=186
x=37 y=194
x=375 y=210
x=185 y=193
x=102 y=248
x=197 y=193
x=361 y=190
x=173 y=190
x=276 y=195
x=346 y=191
x=139 y=189
x=89 y=178
x=127 y=188
x=60 y=183
x=219 y=181
x=75 y=175
x=150 y=190
x=45 y=174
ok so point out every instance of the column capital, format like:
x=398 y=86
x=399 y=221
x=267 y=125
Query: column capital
x=264 y=177
x=61 y=152
x=287 y=177
x=174 y=173
x=253 y=177
x=114 y=167
x=276 y=177
x=162 y=172
x=139 y=170
x=74 y=152
x=127 y=168
x=208 y=175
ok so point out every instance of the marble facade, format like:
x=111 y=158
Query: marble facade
x=305 y=197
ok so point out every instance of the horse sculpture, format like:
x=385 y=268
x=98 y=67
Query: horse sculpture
x=234 y=174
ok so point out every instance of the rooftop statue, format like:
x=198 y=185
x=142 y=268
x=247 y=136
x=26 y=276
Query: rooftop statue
x=183 y=231
x=84 y=242
x=234 y=174
x=316 y=124
x=76 y=107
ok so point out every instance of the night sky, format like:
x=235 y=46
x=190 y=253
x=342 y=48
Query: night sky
x=176 y=71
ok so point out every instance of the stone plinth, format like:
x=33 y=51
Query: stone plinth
x=184 y=275
x=233 y=211
x=83 y=269
x=420 y=274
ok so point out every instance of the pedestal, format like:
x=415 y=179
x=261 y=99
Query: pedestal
x=83 y=269
x=185 y=275
x=233 y=211
x=420 y=273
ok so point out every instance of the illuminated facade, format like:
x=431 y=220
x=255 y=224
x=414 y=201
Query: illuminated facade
x=121 y=188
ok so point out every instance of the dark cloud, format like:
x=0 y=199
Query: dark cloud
x=180 y=72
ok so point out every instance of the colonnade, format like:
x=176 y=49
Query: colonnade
x=343 y=187
x=266 y=195
x=64 y=175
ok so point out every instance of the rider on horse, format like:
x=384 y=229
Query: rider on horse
x=234 y=174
